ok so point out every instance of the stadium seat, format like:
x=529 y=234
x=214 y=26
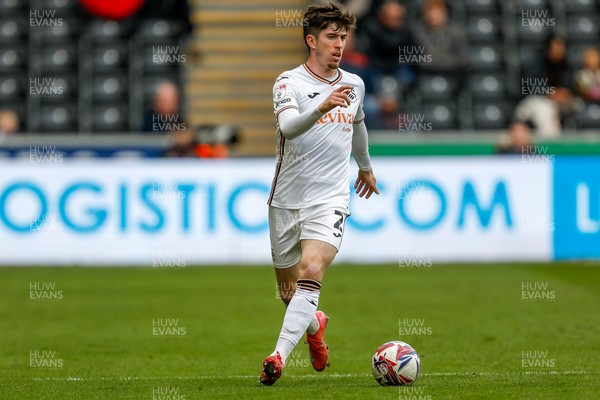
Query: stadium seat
x=104 y=30
x=12 y=27
x=580 y=5
x=478 y=6
x=533 y=4
x=111 y=118
x=58 y=118
x=490 y=115
x=59 y=5
x=68 y=84
x=438 y=86
x=531 y=32
x=583 y=27
x=487 y=85
x=589 y=118
x=109 y=88
x=68 y=29
x=110 y=56
x=441 y=115
x=58 y=57
x=12 y=58
x=485 y=57
x=7 y=6
x=483 y=28
x=158 y=29
x=529 y=53
x=11 y=87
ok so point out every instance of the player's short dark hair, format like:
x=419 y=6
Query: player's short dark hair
x=319 y=17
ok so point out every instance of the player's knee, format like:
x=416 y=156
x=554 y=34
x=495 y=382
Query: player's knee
x=312 y=268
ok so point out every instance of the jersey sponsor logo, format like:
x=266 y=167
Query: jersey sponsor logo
x=280 y=102
x=312 y=96
x=337 y=117
x=279 y=92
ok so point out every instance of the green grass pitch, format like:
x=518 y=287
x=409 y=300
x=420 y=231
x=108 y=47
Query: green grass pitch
x=517 y=331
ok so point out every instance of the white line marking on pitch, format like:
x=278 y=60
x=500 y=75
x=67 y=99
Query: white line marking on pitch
x=147 y=378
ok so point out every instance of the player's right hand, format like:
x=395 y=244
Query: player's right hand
x=337 y=98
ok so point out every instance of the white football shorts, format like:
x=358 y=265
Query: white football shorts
x=287 y=227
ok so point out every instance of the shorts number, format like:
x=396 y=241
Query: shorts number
x=339 y=225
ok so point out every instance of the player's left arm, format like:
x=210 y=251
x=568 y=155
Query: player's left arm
x=365 y=184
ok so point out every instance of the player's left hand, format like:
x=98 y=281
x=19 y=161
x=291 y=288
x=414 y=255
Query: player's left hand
x=366 y=184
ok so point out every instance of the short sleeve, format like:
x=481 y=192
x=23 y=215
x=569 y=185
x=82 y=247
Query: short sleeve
x=284 y=94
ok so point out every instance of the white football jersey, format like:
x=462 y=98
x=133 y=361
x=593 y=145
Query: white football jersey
x=313 y=168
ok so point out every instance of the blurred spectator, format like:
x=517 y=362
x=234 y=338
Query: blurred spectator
x=518 y=139
x=387 y=115
x=9 y=123
x=549 y=77
x=164 y=114
x=543 y=112
x=444 y=41
x=386 y=34
x=357 y=62
x=587 y=79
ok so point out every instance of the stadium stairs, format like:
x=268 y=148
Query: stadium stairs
x=241 y=49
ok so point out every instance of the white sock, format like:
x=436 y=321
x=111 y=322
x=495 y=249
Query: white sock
x=313 y=327
x=298 y=316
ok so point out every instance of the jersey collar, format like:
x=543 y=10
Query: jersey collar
x=321 y=79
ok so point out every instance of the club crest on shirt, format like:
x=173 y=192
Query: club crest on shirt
x=279 y=92
x=352 y=95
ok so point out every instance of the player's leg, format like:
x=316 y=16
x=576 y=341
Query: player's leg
x=286 y=282
x=321 y=237
x=285 y=249
x=316 y=256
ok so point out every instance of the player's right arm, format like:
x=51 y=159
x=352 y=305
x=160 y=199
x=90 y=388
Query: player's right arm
x=293 y=123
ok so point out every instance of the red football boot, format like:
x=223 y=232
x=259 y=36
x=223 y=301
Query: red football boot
x=319 y=352
x=272 y=369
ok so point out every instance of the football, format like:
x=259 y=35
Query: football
x=395 y=364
